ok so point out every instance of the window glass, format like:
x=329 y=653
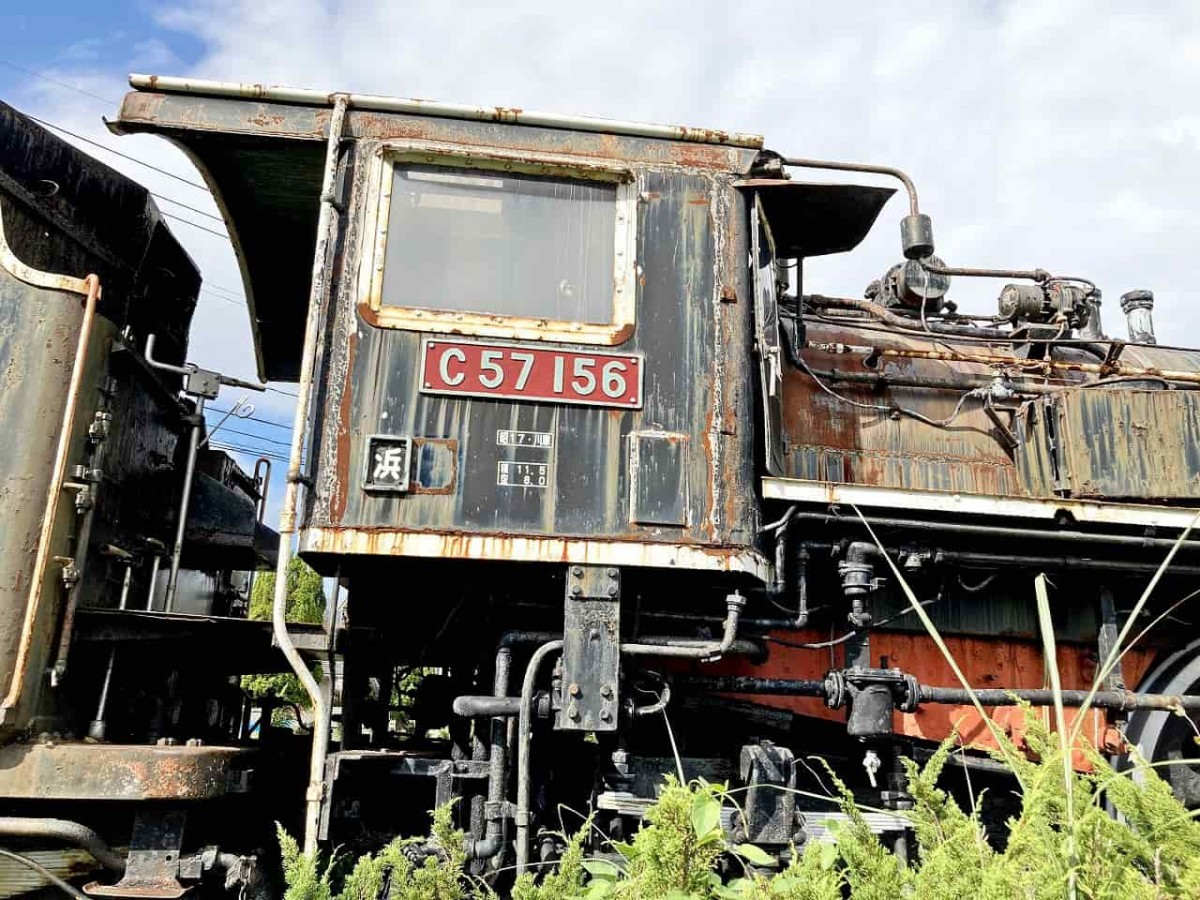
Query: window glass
x=499 y=243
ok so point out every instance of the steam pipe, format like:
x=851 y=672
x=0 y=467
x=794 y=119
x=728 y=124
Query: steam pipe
x=63 y=830
x=524 y=726
x=672 y=647
x=952 y=696
x=998 y=531
x=326 y=227
x=1000 y=560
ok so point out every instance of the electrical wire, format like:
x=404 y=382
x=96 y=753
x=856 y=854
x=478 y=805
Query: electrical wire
x=282 y=425
x=257 y=437
x=133 y=159
x=194 y=209
x=277 y=457
x=63 y=84
x=45 y=873
x=898 y=410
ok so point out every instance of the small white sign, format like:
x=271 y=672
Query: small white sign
x=522 y=474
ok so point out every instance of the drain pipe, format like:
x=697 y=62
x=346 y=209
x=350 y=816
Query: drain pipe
x=524 y=726
x=326 y=234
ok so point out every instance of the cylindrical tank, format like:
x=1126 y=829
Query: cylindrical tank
x=40 y=326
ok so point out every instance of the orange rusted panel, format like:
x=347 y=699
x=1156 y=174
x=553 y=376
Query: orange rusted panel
x=986 y=663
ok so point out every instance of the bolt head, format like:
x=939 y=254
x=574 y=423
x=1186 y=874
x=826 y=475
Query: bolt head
x=573 y=690
x=605 y=715
x=577 y=571
x=612 y=590
x=576 y=590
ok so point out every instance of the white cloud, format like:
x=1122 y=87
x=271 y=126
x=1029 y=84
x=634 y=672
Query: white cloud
x=1053 y=133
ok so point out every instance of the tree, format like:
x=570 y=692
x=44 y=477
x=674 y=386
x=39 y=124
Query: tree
x=305 y=603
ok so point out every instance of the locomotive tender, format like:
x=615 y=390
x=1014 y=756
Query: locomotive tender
x=575 y=437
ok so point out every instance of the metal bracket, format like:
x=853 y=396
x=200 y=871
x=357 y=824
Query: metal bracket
x=591 y=658
x=153 y=866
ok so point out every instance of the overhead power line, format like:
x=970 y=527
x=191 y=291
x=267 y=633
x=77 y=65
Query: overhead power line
x=62 y=84
x=133 y=159
x=283 y=425
x=201 y=212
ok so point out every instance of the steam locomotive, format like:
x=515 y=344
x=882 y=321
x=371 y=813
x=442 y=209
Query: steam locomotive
x=584 y=458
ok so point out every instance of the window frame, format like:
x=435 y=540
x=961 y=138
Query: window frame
x=377 y=211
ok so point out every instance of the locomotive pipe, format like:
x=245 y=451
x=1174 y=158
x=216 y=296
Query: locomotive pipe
x=952 y=696
x=326 y=226
x=66 y=831
x=97 y=727
x=185 y=499
x=672 y=647
x=493 y=840
x=998 y=531
x=471 y=707
x=524 y=726
x=885 y=380
x=1116 y=700
x=1056 y=562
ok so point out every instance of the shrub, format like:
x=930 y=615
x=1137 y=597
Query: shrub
x=1151 y=851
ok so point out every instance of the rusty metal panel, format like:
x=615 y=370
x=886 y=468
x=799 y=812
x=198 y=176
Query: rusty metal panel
x=1115 y=444
x=831 y=440
x=507 y=470
x=79 y=771
x=658 y=478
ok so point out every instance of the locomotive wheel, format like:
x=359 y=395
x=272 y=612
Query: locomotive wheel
x=1165 y=736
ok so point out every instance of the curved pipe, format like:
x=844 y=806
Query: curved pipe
x=326 y=225
x=63 y=830
x=709 y=650
x=914 y=207
x=524 y=725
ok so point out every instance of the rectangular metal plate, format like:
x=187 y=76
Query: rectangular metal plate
x=591 y=659
x=658 y=478
x=388 y=463
x=524 y=372
x=510 y=473
x=537 y=440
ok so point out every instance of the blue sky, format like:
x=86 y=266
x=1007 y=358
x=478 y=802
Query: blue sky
x=71 y=34
x=1061 y=134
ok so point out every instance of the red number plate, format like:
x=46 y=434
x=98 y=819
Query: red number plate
x=522 y=372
